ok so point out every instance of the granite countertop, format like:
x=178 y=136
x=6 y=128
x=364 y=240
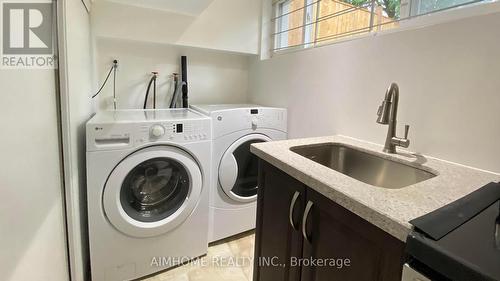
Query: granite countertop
x=389 y=209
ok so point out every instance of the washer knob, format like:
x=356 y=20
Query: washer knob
x=255 y=121
x=157 y=131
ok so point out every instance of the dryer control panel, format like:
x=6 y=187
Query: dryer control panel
x=229 y=121
x=110 y=136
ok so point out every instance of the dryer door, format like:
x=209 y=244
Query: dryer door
x=152 y=191
x=238 y=169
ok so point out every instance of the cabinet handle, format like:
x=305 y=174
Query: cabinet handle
x=304 y=220
x=292 y=207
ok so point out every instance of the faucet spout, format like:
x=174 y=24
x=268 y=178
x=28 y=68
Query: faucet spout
x=392 y=95
x=387 y=115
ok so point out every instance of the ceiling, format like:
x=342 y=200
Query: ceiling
x=189 y=7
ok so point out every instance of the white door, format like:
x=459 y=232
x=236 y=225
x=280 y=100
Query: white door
x=238 y=169
x=152 y=191
x=32 y=221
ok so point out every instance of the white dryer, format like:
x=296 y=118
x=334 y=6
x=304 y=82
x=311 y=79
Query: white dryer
x=147 y=190
x=233 y=191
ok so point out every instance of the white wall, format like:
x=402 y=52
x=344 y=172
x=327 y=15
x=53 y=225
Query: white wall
x=213 y=76
x=76 y=108
x=32 y=230
x=229 y=25
x=449 y=80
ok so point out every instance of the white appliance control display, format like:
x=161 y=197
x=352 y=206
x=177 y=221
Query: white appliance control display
x=157 y=131
x=109 y=136
x=178 y=131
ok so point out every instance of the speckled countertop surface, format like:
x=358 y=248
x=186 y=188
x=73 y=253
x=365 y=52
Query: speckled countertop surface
x=389 y=209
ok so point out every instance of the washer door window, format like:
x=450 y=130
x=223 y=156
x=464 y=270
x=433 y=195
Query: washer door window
x=238 y=169
x=152 y=191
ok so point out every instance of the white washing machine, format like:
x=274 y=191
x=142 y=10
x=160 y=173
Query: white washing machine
x=148 y=173
x=233 y=191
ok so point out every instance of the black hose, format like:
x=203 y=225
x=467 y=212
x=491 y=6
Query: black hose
x=147 y=91
x=154 y=93
x=174 y=94
x=105 y=81
x=114 y=87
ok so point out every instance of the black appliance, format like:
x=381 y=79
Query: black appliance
x=459 y=242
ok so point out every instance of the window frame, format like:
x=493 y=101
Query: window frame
x=461 y=11
x=307 y=11
x=278 y=10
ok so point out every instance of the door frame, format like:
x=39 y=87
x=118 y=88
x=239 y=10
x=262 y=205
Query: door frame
x=73 y=167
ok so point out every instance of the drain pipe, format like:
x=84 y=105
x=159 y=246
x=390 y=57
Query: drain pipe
x=185 y=103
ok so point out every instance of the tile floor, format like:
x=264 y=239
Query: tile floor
x=227 y=260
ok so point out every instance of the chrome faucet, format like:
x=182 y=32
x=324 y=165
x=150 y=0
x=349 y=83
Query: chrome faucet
x=387 y=114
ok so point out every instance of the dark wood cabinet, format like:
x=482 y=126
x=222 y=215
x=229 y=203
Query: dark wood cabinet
x=317 y=239
x=279 y=214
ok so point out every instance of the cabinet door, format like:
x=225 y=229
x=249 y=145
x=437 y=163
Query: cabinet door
x=334 y=234
x=280 y=204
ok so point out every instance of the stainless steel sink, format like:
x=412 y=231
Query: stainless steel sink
x=362 y=166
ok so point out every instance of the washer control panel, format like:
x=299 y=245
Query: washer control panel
x=183 y=131
x=121 y=135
